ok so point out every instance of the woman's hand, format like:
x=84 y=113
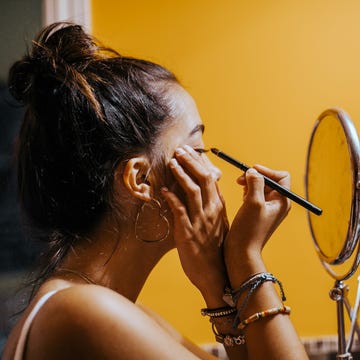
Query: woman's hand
x=200 y=222
x=261 y=213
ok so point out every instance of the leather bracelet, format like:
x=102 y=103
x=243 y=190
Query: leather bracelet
x=218 y=312
x=231 y=296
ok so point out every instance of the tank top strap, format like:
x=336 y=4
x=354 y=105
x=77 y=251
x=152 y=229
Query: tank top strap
x=19 y=353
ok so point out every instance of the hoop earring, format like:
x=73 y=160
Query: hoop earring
x=152 y=205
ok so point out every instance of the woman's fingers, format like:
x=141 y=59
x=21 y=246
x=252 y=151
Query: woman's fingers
x=181 y=219
x=198 y=183
x=198 y=171
x=281 y=177
x=191 y=189
x=255 y=188
x=261 y=213
x=225 y=222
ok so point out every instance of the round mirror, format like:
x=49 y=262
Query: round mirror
x=332 y=182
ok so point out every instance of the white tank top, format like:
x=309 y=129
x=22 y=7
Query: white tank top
x=20 y=347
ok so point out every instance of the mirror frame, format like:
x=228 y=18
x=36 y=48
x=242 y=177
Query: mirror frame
x=352 y=236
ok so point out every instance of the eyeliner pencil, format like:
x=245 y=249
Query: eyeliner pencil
x=271 y=183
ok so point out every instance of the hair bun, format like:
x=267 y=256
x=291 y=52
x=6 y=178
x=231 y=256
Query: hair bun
x=67 y=43
x=20 y=79
x=59 y=52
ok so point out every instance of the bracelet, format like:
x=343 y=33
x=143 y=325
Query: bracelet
x=250 y=285
x=259 y=279
x=229 y=294
x=253 y=285
x=263 y=314
x=251 y=279
x=228 y=340
x=218 y=312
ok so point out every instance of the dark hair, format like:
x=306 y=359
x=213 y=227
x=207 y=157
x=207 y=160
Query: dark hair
x=88 y=108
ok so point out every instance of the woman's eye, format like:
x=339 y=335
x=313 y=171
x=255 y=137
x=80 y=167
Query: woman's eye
x=201 y=150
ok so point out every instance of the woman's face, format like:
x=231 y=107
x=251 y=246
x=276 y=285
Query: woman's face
x=186 y=129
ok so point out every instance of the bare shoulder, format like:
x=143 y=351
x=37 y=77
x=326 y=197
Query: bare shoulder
x=92 y=322
x=90 y=300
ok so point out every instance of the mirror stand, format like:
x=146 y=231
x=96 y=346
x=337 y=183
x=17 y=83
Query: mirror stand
x=339 y=294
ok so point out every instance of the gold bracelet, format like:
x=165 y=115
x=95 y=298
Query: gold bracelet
x=263 y=314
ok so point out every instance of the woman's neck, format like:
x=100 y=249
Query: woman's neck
x=116 y=258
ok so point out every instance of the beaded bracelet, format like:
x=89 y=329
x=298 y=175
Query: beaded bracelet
x=263 y=314
x=218 y=312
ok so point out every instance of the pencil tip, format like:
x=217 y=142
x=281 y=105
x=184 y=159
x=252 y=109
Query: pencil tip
x=215 y=150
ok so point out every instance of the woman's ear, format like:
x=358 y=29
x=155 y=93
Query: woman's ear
x=135 y=178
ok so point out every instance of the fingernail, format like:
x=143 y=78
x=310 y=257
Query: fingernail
x=173 y=162
x=252 y=171
x=189 y=148
x=180 y=151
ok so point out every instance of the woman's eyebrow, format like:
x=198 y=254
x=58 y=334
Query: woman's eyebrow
x=197 y=128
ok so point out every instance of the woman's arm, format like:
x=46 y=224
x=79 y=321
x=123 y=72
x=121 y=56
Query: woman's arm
x=200 y=226
x=197 y=229
x=263 y=210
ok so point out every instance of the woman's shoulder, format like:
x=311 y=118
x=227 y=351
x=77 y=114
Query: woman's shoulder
x=65 y=306
x=92 y=322
x=54 y=310
x=83 y=311
x=70 y=315
x=89 y=299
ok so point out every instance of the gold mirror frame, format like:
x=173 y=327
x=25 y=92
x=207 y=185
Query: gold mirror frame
x=352 y=235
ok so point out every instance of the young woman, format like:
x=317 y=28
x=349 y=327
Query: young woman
x=113 y=174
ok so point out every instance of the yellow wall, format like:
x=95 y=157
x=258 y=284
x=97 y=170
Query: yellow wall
x=261 y=72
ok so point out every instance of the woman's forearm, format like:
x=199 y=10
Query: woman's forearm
x=271 y=337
